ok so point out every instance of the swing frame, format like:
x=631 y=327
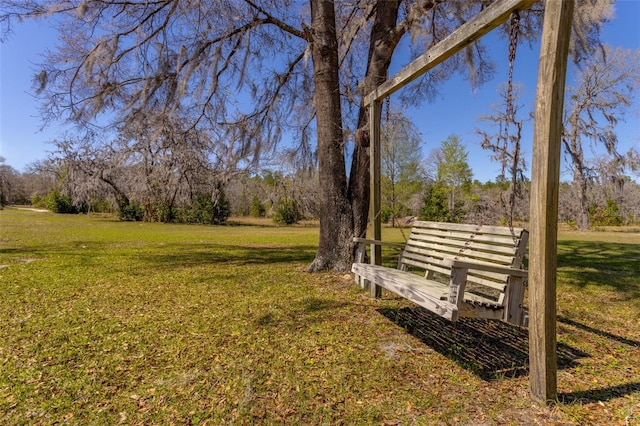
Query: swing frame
x=545 y=175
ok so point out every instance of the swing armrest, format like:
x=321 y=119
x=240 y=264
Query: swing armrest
x=477 y=266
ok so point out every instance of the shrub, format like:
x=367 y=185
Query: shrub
x=60 y=203
x=220 y=210
x=435 y=204
x=100 y=205
x=205 y=211
x=159 y=211
x=385 y=214
x=257 y=209
x=130 y=211
x=607 y=216
x=572 y=224
x=38 y=201
x=286 y=212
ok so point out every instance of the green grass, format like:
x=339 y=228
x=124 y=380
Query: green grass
x=104 y=322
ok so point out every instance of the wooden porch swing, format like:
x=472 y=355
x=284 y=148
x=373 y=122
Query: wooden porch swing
x=467 y=270
x=472 y=257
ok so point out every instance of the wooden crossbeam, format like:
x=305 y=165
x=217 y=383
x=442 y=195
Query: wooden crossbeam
x=490 y=18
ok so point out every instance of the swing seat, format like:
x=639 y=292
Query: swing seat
x=455 y=270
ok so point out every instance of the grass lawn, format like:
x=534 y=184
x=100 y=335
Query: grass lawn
x=104 y=322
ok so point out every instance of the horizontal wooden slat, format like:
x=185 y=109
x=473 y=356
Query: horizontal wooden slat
x=488 y=267
x=474 y=298
x=429 y=294
x=472 y=244
x=429 y=250
x=486 y=229
x=496 y=285
x=428 y=267
x=494 y=240
x=425 y=255
x=492 y=280
x=499 y=240
x=444 y=252
x=420 y=262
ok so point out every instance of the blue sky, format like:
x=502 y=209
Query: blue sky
x=457 y=111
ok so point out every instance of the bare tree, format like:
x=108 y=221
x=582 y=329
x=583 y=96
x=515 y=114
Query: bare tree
x=401 y=162
x=6 y=172
x=40 y=178
x=155 y=165
x=612 y=184
x=630 y=209
x=594 y=106
x=505 y=145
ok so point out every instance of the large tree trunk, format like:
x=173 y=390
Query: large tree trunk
x=382 y=45
x=336 y=231
x=336 y=226
x=574 y=149
x=582 y=220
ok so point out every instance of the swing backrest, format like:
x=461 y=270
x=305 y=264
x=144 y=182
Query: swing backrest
x=432 y=244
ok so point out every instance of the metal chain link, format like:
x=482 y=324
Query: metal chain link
x=513 y=44
x=514 y=29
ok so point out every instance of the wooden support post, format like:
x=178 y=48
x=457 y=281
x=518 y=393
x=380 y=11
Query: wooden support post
x=545 y=181
x=375 y=114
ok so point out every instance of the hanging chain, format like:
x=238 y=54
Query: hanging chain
x=388 y=111
x=510 y=113
x=513 y=44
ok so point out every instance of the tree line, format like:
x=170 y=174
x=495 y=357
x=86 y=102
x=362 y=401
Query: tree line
x=439 y=187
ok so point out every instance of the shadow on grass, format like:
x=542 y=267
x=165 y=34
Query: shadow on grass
x=601 y=333
x=190 y=255
x=596 y=262
x=172 y=255
x=490 y=349
x=600 y=394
